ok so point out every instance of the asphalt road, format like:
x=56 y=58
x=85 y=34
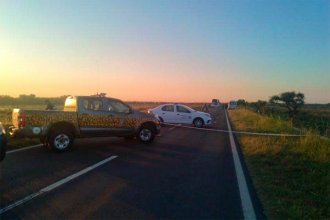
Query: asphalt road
x=184 y=174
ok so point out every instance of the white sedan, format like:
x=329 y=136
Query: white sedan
x=177 y=113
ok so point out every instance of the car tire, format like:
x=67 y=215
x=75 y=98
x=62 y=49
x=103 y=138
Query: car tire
x=198 y=122
x=146 y=134
x=60 y=141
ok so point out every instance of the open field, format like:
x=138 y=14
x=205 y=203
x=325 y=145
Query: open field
x=310 y=116
x=291 y=175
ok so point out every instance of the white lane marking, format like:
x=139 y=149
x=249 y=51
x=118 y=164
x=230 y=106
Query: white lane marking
x=55 y=185
x=25 y=148
x=248 y=210
x=237 y=132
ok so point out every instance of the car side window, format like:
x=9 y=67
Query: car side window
x=92 y=104
x=182 y=109
x=118 y=107
x=168 y=108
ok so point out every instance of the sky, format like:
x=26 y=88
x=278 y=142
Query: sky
x=166 y=50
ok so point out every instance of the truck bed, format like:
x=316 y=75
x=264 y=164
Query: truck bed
x=35 y=120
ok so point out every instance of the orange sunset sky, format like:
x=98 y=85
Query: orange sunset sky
x=175 y=51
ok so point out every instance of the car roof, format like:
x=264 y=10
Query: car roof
x=172 y=104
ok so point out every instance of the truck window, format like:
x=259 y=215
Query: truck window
x=92 y=104
x=118 y=107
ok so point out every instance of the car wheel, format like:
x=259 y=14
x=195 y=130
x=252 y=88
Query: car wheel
x=198 y=122
x=60 y=141
x=146 y=134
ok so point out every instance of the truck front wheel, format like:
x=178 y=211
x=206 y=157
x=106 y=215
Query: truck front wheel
x=60 y=141
x=146 y=134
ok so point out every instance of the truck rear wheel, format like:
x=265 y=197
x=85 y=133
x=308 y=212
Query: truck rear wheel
x=60 y=141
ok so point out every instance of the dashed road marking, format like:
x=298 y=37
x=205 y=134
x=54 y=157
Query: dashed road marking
x=55 y=185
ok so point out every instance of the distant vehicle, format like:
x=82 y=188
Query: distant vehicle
x=178 y=113
x=3 y=142
x=215 y=103
x=232 y=105
x=84 y=116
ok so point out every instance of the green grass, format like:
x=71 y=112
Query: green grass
x=291 y=175
x=316 y=117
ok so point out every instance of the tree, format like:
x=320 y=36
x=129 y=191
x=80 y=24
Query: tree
x=241 y=102
x=290 y=100
x=259 y=106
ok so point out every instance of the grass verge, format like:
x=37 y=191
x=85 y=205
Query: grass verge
x=291 y=175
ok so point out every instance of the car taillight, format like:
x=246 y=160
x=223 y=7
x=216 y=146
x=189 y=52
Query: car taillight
x=21 y=120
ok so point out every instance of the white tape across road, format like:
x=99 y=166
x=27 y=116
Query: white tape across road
x=236 y=132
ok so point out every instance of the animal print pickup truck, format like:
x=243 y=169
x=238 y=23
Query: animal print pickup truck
x=84 y=116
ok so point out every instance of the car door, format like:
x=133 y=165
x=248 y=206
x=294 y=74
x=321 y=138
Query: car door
x=167 y=113
x=184 y=114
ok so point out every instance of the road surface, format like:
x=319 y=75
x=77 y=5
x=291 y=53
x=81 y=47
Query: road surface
x=184 y=174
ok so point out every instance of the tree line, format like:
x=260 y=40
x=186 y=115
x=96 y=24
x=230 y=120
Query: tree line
x=291 y=101
x=31 y=99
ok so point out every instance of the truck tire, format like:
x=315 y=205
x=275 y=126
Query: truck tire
x=60 y=140
x=146 y=133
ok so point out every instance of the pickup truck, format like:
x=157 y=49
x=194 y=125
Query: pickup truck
x=84 y=116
